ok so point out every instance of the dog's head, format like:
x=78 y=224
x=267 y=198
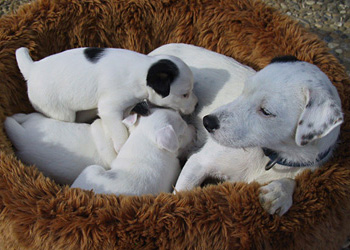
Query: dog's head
x=287 y=103
x=165 y=128
x=170 y=83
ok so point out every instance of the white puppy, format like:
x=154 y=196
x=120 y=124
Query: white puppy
x=148 y=162
x=287 y=119
x=111 y=80
x=61 y=150
x=218 y=79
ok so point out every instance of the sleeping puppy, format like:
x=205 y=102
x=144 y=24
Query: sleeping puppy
x=285 y=121
x=61 y=150
x=111 y=80
x=148 y=162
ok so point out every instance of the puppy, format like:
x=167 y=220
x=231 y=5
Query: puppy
x=286 y=120
x=61 y=150
x=218 y=79
x=111 y=80
x=148 y=162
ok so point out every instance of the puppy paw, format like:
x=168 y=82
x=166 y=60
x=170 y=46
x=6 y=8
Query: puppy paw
x=20 y=117
x=277 y=196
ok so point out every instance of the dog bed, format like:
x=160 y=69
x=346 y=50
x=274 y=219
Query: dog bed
x=36 y=213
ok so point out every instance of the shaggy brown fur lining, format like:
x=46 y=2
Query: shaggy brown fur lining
x=35 y=213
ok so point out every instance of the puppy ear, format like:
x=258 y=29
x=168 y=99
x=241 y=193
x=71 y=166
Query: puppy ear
x=166 y=139
x=320 y=116
x=130 y=120
x=160 y=76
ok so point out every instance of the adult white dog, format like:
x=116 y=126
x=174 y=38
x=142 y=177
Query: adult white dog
x=148 y=162
x=286 y=120
x=111 y=80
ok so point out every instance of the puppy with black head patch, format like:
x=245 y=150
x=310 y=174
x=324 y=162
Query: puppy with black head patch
x=111 y=80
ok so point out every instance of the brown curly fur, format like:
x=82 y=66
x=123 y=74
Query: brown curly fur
x=35 y=213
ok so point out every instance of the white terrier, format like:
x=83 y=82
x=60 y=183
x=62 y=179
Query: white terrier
x=148 y=162
x=61 y=150
x=286 y=120
x=111 y=80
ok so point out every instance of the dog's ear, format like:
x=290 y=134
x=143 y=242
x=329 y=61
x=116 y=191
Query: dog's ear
x=166 y=139
x=161 y=75
x=320 y=116
x=130 y=120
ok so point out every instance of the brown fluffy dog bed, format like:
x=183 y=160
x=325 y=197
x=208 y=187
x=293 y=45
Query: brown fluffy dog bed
x=35 y=213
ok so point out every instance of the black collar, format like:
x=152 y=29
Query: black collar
x=276 y=159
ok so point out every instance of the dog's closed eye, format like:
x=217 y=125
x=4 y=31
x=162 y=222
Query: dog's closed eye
x=264 y=111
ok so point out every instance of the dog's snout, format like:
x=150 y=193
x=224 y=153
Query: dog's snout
x=211 y=123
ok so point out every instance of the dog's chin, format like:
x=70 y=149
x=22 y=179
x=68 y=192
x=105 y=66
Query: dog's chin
x=230 y=143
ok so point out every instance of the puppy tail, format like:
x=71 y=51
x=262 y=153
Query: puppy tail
x=24 y=61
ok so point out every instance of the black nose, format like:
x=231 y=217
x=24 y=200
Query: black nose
x=211 y=123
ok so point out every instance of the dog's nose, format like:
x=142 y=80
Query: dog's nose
x=211 y=123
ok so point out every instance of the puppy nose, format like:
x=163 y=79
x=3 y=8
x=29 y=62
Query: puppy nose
x=211 y=123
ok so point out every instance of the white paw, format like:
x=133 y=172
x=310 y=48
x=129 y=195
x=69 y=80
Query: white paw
x=277 y=196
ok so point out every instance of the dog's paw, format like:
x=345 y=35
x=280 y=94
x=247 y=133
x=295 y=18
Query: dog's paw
x=20 y=117
x=277 y=196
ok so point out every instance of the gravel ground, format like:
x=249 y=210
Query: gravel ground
x=329 y=19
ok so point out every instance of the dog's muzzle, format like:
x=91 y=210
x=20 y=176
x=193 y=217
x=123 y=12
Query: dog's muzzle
x=211 y=123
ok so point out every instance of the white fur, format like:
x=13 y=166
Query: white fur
x=61 y=150
x=147 y=163
x=234 y=151
x=218 y=79
x=60 y=85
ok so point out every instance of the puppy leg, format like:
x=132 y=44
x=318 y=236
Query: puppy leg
x=89 y=178
x=277 y=196
x=103 y=143
x=111 y=110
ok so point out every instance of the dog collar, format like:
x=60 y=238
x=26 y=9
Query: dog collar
x=276 y=159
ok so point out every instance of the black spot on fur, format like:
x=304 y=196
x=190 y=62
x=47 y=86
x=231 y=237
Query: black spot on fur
x=310 y=125
x=141 y=108
x=93 y=54
x=284 y=59
x=308 y=137
x=301 y=122
x=161 y=75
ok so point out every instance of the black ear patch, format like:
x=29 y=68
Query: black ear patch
x=93 y=54
x=284 y=59
x=161 y=75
